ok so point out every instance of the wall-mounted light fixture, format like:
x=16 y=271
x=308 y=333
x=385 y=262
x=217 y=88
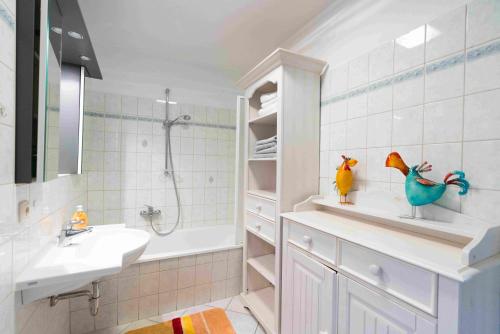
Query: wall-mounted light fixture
x=164 y=101
x=75 y=35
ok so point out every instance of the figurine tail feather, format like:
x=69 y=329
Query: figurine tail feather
x=459 y=180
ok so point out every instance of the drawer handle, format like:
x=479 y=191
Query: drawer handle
x=307 y=240
x=258 y=226
x=258 y=207
x=375 y=269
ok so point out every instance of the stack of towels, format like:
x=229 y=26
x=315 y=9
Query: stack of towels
x=268 y=103
x=265 y=148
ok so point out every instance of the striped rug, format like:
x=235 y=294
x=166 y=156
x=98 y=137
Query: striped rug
x=213 y=321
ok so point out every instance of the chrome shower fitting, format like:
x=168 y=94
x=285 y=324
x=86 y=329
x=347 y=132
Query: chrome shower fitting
x=185 y=118
x=169 y=170
x=150 y=212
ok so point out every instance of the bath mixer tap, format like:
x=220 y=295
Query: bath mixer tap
x=68 y=232
x=150 y=211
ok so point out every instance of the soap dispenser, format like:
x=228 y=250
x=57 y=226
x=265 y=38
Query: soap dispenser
x=81 y=216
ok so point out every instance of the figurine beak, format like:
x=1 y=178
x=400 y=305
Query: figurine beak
x=352 y=162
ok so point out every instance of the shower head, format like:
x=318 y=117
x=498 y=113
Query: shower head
x=180 y=118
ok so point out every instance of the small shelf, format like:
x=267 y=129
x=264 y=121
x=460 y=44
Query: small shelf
x=268 y=119
x=269 y=194
x=261 y=304
x=261 y=159
x=264 y=265
x=260 y=236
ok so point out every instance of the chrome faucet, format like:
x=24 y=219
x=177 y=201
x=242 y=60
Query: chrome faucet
x=68 y=232
x=150 y=211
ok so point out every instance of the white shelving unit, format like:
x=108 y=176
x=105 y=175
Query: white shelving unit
x=264 y=265
x=273 y=185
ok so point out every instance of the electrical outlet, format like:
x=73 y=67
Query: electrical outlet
x=23 y=210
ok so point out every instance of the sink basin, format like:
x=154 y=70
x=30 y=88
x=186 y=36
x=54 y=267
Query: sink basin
x=107 y=250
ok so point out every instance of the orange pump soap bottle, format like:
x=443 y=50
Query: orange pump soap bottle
x=81 y=216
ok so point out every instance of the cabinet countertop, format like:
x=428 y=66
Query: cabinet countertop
x=437 y=255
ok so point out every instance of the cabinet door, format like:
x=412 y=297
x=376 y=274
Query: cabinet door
x=309 y=295
x=363 y=311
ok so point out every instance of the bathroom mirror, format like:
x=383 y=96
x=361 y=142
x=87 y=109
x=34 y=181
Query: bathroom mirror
x=54 y=56
x=49 y=136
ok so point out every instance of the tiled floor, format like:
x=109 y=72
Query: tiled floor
x=243 y=322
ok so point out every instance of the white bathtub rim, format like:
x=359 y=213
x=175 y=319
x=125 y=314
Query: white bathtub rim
x=189 y=252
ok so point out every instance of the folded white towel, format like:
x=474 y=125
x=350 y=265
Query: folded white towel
x=267 y=140
x=267 y=97
x=264 y=155
x=268 y=110
x=264 y=146
x=271 y=102
x=267 y=150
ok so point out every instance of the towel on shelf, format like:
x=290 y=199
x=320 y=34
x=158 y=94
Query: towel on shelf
x=267 y=140
x=261 y=147
x=267 y=110
x=270 y=103
x=264 y=155
x=267 y=150
x=266 y=97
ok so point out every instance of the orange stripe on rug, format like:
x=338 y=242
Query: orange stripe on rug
x=217 y=321
x=212 y=321
x=199 y=324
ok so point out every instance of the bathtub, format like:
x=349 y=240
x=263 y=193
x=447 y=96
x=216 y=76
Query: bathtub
x=192 y=241
x=213 y=274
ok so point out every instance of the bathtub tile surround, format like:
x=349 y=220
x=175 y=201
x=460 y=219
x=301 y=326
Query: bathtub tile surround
x=428 y=94
x=156 y=287
x=124 y=159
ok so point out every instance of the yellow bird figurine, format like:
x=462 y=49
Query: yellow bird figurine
x=343 y=179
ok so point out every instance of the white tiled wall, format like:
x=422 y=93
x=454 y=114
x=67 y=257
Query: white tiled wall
x=124 y=159
x=50 y=205
x=153 y=288
x=7 y=187
x=431 y=94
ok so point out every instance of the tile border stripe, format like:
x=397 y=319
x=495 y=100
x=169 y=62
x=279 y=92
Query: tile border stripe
x=7 y=17
x=443 y=64
x=156 y=120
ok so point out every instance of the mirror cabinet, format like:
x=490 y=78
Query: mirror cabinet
x=54 y=56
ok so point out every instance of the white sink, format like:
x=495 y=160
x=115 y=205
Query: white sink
x=107 y=250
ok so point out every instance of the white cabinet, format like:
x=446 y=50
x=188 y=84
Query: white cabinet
x=363 y=311
x=273 y=183
x=393 y=275
x=309 y=291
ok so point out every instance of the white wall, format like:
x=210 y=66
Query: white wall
x=195 y=93
x=51 y=204
x=350 y=28
x=124 y=160
x=435 y=101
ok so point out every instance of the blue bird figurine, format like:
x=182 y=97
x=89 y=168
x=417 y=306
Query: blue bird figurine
x=422 y=191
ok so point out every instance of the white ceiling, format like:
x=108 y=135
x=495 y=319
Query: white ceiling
x=209 y=42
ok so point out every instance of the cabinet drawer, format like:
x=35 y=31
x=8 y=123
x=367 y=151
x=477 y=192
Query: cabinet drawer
x=362 y=310
x=260 y=206
x=407 y=282
x=261 y=227
x=315 y=242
